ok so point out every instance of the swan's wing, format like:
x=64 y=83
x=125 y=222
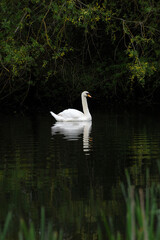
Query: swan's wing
x=71 y=113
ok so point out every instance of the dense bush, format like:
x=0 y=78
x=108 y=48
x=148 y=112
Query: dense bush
x=55 y=49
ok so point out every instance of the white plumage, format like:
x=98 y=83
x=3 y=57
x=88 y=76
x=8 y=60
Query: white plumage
x=71 y=115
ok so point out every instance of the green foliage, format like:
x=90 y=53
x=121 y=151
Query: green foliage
x=142 y=214
x=142 y=218
x=4 y=231
x=29 y=232
x=46 y=232
x=43 y=38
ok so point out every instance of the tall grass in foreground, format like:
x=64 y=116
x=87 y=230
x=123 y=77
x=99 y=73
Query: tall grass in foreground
x=142 y=214
x=142 y=220
x=29 y=232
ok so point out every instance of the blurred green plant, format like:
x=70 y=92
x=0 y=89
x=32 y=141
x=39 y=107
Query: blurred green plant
x=142 y=214
x=142 y=219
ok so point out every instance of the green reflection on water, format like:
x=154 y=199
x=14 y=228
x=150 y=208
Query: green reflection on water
x=25 y=188
x=39 y=170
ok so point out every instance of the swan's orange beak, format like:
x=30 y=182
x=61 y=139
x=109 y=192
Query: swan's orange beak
x=88 y=95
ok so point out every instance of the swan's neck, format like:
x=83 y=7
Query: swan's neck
x=85 y=106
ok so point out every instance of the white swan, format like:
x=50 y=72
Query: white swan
x=73 y=115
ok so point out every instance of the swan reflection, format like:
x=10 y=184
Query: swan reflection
x=72 y=131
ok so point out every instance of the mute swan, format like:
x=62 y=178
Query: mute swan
x=73 y=115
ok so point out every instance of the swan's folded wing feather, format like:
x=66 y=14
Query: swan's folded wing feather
x=71 y=113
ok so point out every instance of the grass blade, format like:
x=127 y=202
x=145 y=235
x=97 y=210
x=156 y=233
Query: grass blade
x=42 y=229
x=6 y=226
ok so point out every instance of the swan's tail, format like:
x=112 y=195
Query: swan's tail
x=57 y=118
x=53 y=114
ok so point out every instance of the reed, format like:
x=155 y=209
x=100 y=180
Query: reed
x=142 y=219
x=142 y=214
x=3 y=232
x=25 y=232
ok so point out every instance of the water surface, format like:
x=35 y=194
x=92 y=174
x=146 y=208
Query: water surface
x=71 y=168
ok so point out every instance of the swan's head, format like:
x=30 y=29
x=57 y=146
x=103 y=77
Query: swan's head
x=86 y=94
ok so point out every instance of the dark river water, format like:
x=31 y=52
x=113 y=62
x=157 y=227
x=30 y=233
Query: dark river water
x=72 y=169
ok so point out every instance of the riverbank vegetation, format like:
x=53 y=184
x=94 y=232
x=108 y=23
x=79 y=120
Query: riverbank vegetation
x=52 y=50
x=141 y=220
